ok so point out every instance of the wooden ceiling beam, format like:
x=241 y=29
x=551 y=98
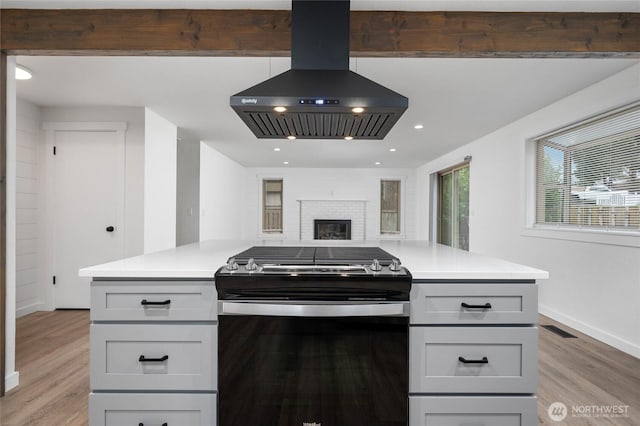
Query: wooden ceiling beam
x=267 y=33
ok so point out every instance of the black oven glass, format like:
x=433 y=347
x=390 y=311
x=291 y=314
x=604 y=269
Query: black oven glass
x=286 y=371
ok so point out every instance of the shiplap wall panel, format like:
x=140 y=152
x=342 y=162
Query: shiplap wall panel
x=26 y=170
x=26 y=201
x=26 y=185
x=28 y=140
x=27 y=216
x=26 y=246
x=25 y=261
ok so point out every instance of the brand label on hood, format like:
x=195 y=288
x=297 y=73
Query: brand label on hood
x=249 y=101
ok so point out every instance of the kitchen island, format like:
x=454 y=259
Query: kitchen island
x=472 y=341
x=425 y=260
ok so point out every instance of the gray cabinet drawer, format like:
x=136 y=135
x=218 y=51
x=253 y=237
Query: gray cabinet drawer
x=437 y=358
x=465 y=303
x=118 y=409
x=476 y=411
x=153 y=301
x=191 y=362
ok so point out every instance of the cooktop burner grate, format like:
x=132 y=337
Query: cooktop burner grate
x=277 y=255
x=314 y=255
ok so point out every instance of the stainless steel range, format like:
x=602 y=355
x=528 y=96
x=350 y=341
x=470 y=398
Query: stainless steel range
x=313 y=336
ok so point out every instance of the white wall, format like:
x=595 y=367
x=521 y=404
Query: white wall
x=134 y=161
x=593 y=286
x=160 y=160
x=28 y=144
x=329 y=184
x=188 y=190
x=222 y=195
x=11 y=377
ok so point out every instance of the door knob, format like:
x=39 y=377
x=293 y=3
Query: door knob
x=110 y=229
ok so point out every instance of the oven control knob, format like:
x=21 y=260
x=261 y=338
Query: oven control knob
x=375 y=266
x=251 y=265
x=395 y=265
x=232 y=265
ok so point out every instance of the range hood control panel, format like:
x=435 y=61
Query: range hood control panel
x=319 y=102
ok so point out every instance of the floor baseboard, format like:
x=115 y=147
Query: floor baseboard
x=11 y=381
x=26 y=310
x=609 y=339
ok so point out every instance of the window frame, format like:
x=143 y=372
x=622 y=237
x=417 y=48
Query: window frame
x=564 y=231
x=400 y=234
x=262 y=181
x=438 y=195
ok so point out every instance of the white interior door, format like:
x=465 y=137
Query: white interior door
x=89 y=209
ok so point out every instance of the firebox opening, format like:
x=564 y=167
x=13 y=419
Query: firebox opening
x=332 y=229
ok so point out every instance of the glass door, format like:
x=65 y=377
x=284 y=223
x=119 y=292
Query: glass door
x=453 y=207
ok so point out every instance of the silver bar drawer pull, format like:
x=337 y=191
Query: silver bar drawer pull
x=467 y=306
x=463 y=360
x=163 y=424
x=296 y=310
x=145 y=302
x=143 y=359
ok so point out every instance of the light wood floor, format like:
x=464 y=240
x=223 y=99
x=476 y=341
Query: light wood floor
x=52 y=356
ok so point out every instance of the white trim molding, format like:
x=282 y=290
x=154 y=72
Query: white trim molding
x=96 y=126
x=26 y=310
x=595 y=236
x=603 y=336
x=11 y=381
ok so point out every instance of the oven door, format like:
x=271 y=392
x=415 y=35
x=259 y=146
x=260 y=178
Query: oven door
x=312 y=365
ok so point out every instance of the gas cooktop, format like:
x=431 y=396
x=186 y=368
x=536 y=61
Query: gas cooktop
x=314 y=256
x=313 y=273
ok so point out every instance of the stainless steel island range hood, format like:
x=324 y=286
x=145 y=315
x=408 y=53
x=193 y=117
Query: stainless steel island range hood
x=319 y=97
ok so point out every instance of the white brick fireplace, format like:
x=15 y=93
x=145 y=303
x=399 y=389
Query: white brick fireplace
x=354 y=210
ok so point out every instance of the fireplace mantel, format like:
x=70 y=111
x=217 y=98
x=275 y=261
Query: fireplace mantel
x=331 y=199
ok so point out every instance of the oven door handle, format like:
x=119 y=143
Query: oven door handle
x=315 y=310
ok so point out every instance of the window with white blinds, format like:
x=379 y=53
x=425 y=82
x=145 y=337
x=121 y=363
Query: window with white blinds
x=588 y=175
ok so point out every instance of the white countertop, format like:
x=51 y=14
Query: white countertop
x=425 y=260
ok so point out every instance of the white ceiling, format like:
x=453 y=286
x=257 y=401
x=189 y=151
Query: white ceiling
x=457 y=100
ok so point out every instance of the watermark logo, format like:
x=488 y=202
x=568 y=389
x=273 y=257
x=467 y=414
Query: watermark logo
x=557 y=411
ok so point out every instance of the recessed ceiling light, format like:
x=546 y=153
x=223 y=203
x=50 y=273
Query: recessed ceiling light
x=285 y=162
x=23 y=73
x=279 y=109
x=418 y=126
x=392 y=149
x=357 y=110
x=276 y=149
x=291 y=137
x=377 y=163
x=348 y=138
